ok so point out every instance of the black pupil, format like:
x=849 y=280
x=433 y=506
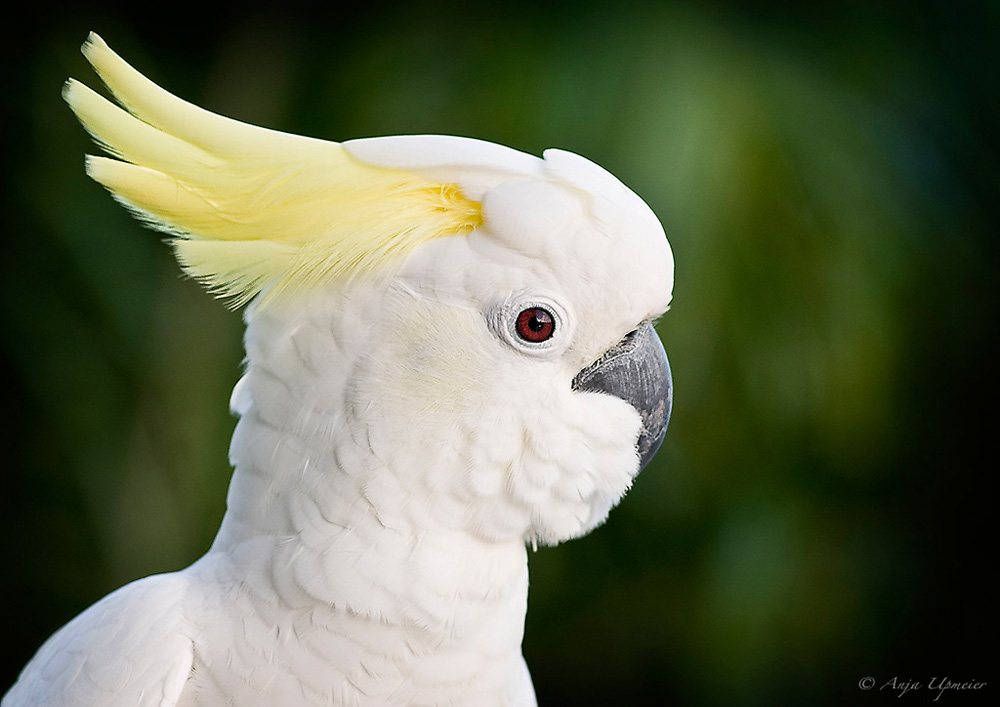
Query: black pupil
x=535 y=323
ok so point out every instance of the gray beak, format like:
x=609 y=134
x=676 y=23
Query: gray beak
x=637 y=371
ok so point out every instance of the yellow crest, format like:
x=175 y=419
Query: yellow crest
x=248 y=207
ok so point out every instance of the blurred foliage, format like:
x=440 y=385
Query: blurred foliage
x=826 y=175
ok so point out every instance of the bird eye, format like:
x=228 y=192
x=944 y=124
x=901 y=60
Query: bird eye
x=531 y=323
x=535 y=325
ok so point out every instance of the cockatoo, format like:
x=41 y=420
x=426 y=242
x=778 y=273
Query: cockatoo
x=450 y=358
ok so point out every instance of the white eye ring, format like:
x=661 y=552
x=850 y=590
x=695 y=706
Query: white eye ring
x=506 y=319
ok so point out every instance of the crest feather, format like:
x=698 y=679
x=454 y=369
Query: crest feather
x=251 y=208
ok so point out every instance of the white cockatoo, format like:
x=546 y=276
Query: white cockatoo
x=450 y=357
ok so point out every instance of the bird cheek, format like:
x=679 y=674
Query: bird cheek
x=594 y=466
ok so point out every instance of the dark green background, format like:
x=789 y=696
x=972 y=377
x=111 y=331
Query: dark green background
x=826 y=174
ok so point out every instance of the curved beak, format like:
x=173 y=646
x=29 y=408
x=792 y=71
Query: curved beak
x=637 y=371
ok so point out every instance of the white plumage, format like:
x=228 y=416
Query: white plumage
x=401 y=434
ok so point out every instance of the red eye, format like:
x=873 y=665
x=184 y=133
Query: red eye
x=535 y=325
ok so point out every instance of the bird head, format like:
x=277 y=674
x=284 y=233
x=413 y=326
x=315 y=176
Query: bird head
x=463 y=323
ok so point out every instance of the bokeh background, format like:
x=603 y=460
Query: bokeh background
x=826 y=173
